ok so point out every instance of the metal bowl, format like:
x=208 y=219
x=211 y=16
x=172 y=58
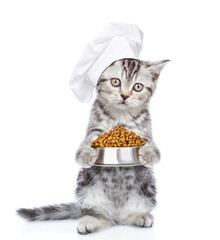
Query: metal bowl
x=117 y=156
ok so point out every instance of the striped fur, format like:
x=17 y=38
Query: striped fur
x=120 y=195
x=51 y=212
x=108 y=195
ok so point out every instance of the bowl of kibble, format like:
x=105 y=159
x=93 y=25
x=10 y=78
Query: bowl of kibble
x=118 y=147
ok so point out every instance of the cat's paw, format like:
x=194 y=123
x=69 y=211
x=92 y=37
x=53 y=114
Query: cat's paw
x=148 y=157
x=140 y=220
x=86 y=225
x=145 y=220
x=89 y=224
x=86 y=157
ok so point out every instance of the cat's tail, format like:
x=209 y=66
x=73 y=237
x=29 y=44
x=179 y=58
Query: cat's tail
x=51 y=212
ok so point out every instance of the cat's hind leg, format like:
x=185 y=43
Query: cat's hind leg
x=89 y=224
x=140 y=220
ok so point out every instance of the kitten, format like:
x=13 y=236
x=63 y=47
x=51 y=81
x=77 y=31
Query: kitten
x=114 y=195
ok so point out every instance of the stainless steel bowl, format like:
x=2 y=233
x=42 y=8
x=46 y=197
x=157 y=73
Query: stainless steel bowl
x=117 y=156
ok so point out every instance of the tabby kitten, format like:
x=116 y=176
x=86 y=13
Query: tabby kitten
x=114 y=195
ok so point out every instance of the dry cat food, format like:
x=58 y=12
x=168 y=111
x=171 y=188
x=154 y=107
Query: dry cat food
x=119 y=137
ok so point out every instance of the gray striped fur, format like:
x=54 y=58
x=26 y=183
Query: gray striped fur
x=51 y=212
x=108 y=195
x=109 y=192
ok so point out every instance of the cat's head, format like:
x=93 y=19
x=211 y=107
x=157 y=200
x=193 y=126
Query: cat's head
x=129 y=83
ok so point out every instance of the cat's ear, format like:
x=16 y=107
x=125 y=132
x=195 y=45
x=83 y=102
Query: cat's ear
x=155 y=68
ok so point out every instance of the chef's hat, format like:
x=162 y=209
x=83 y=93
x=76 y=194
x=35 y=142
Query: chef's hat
x=114 y=42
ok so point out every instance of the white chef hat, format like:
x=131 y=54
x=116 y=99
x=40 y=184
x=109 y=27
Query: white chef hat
x=114 y=42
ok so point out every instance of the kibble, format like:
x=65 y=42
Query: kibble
x=119 y=137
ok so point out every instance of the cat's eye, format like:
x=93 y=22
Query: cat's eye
x=138 y=87
x=115 y=82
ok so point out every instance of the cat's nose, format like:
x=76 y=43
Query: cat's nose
x=124 y=96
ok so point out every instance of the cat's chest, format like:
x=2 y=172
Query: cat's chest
x=121 y=119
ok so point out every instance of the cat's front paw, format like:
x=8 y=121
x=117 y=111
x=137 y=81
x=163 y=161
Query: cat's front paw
x=86 y=157
x=148 y=156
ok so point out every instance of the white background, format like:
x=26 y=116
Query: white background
x=42 y=124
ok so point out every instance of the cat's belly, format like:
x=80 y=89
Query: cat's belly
x=115 y=204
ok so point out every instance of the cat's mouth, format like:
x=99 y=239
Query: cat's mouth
x=123 y=103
